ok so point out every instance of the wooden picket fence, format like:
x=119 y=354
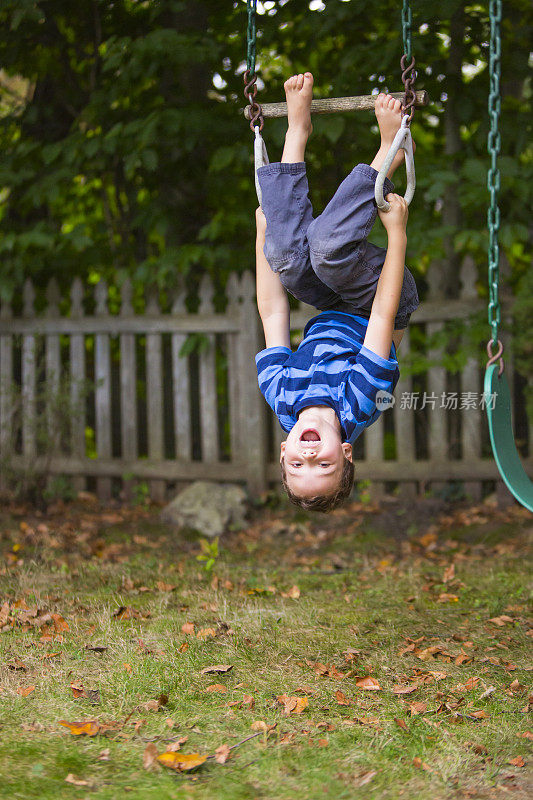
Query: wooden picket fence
x=168 y=396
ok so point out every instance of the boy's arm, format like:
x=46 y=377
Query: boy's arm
x=380 y=328
x=272 y=300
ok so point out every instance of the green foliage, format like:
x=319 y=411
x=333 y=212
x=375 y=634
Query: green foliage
x=209 y=553
x=124 y=150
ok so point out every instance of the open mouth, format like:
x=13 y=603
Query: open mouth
x=310 y=436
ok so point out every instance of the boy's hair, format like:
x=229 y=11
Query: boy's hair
x=327 y=502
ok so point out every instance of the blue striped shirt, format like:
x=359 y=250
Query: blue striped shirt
x=331 y=367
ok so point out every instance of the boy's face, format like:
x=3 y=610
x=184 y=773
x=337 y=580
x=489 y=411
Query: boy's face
x=314 y=455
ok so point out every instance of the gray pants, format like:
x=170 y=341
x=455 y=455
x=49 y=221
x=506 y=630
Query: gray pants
x=328 y=262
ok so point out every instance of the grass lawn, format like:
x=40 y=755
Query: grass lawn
x=376 y=652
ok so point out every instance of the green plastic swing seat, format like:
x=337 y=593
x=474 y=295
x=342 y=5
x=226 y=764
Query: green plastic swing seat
x=502 y=438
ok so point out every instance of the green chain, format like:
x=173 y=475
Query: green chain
x=250 y=54
x=493 y=180
x=406 y=28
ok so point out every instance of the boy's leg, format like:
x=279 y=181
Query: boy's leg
x=286 y=204
x=340 y=254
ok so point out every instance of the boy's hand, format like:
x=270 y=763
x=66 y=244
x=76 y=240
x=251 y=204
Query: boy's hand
x=396 y=217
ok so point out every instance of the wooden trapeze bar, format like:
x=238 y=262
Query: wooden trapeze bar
x=333 y=105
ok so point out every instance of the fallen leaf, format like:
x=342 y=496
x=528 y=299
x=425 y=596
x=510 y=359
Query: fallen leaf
x=501 y=620
x=401 y=724
x=150 y=755
x=293 y=593
x=445 y=597
x=417 y=708
x=216 y=668
x=87 y=728
x=104 y=754
x=24 y=691
x=449 y=574
x=517 y=762
x=341 y=698
x=216 y=687
x=293 y=705
x=399 y=689
x=165 y=587
x=369 y=684
x=75 y=781
x=127 y=667
x=188 y=628
x=181 y=761
x=205 y=633
x=365 y=777
x=261 y=725
x=222 y=754
x=526 y=735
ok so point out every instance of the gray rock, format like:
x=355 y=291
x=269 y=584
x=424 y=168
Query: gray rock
x=210 y=508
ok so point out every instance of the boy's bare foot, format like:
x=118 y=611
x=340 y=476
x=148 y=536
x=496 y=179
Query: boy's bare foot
x=389 y=116
x=299 y=93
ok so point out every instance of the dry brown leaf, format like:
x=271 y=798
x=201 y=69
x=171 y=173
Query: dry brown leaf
x=399 y=689
x=75 y=781
x=181 y=761
x=150 y=755
x=417 y=708
x=205 y=633
x=85 y=728
x=293 y=705
x=216 y=668
x=401 y=724
x=222 y=754
x=188 y=628
x=449 y=574
x=216 y=687
x=341 y=698
x=526 y=735
x=261 y=725
x=365 y=777
x=500 y=621
x=24 y=691
x=517 y=762
x=127 y=667
x=104 y=754
x=165 y=587
x=293 y=593
x=369 y=684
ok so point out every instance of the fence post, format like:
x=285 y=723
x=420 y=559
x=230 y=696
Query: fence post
x=181 y=384
x=470 y=382
x=128 y=387
x=154 y=395
x=102 y=374
x=29 y=377
x=404 y=421
x=436 y=383
x=253 y=443
x=77 y=383
x=208 y=381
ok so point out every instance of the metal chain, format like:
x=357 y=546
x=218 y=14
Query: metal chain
x=493 y=178
x=407 y=63
x=250 y=36
x=406 y=28
x=250 y=76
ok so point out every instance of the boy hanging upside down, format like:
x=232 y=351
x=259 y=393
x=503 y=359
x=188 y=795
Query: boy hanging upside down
x=324 y=394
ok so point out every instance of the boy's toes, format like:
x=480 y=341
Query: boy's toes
x=397 y=105
x=299 y=81
x=390 y=101
x=290 y=83
x=308 y=78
